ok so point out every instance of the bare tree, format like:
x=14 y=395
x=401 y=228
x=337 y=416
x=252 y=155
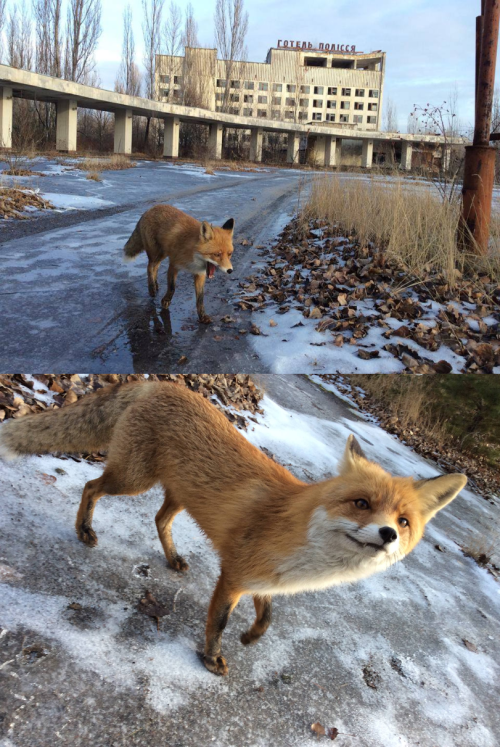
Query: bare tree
x=151 y=29
x=47 y=16
x=231 y=26
x=83 y=32
x=390 y=116
x=20 y=37
x=190 y=33
x=2 y=24
x=128 y=79
x=495 y=118
x=172 y=33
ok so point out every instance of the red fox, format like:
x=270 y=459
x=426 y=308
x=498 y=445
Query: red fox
x=274 y=533
x=198 y=248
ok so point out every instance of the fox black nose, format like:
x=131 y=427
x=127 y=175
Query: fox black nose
x=229 y=272
x=388 y=534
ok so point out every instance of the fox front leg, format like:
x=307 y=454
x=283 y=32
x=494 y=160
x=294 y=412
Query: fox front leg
x=199 y=287
x=223 y=602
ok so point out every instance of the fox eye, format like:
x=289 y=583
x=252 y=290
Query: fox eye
x=362 y=504
x=403 y=522
x=217 y=254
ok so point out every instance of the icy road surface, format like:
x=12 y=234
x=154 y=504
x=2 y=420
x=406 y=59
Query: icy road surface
x=69 y=301
x=383 y=660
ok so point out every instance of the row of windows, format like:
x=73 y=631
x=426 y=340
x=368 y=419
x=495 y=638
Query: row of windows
x=303 y=103
x=317 y=116
x=166 y=79
x=249 y=85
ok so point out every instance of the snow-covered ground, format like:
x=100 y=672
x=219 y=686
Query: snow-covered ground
x=105 y=676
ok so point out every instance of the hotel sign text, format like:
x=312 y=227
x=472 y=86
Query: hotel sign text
x=321 y=47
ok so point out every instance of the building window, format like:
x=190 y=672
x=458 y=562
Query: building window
x=262 y=99
x=177 y=80
x=359 y=105
x=304 y=103
x=317 y=116
x=261 y=112
x=290 y=102
x=317 y=104
x=221 y=83
x=344 y=118
x=346 y=92
x=248 y=98
x=218 y=108
x=219 y=96
x=332 y=91
x=263 y=86
x=235 y=84
x=360 y=92
x=330 y=117
x=305 y=89
x=275 y=114
x=373 y=94
x=291 y=89
x=277 y=87
x=247 y=112
x=164 y=78
x=249 y=85
x=318 y=90
x=288 y=115
x=331 y=104
x=371 y=120
x=235 y=97
x=277 y=101
x=357 y=118
x=165 y=92
x=234 y=110
x=372 y=107
x=345 y=104
x=302 y=115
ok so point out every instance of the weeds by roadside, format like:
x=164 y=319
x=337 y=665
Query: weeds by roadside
x=113 y=163
x=14 y=202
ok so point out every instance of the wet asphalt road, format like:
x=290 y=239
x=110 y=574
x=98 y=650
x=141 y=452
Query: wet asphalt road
x=68 y=301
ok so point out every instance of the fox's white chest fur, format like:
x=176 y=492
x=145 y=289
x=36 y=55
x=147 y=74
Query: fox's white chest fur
x=326 y=560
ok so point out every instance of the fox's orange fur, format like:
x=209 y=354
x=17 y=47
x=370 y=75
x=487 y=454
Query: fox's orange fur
x=273 y=532
x=198 y=248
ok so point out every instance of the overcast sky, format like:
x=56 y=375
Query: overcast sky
x=429 y=43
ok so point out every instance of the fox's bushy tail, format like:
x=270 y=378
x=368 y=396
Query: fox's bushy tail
x=134 y=245
x=86 y=425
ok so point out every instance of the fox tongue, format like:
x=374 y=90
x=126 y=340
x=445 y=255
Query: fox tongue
x=210 y=270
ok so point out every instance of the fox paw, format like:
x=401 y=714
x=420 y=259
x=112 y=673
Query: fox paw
x=153 y=290
x=247 y=638
x=205 y=319
x=216 y=664
x=179 y=564
x=87 y=535
x=165 y=303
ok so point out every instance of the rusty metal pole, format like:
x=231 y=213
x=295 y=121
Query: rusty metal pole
x=479 y=170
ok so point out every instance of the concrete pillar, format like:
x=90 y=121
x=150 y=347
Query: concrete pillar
x=256 y=137
x=317 y=154
x=406 y=153
x=123 y=131
x=333 y=147
x=292 y=154
x=446 y=157
x=367 y=154
x=171 y=138
x=5 y=117
x=215 y=140
x=67 y=110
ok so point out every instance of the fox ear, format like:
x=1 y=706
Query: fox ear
x=229 y=225
x=436 y=492
x=353 y=455
x=206 y=231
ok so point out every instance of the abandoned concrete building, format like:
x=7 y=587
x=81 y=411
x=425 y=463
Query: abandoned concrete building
x=296 y=83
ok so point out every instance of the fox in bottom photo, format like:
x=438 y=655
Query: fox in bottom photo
x=207 y=507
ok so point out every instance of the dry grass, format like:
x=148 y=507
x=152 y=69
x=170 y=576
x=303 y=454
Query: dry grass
x=113 y=163
x=409 y=403
x=410 y=224
x=483 y=549
x=94 y=176
x=14 y=201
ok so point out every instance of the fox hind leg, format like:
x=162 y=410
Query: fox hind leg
x=164 y=519
x=171 y=279
x=263 y=606
x=93 y=490
x=153 y=267
x=223 y=602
